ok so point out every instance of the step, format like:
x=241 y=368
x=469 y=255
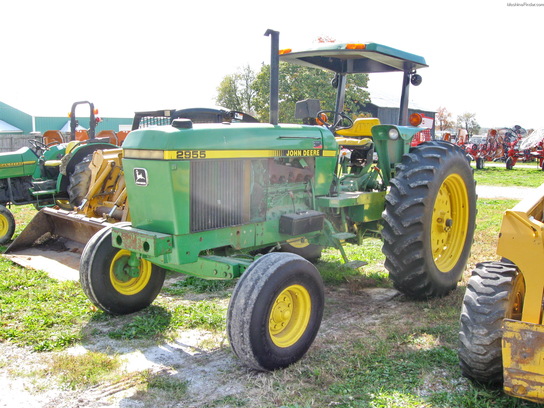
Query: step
x=355 y=264
x=44 y=192
x=341 y=236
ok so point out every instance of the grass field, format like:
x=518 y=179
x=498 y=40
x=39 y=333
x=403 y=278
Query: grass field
x=398 y=353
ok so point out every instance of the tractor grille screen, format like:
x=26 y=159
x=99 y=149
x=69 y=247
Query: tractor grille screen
x=217 y=194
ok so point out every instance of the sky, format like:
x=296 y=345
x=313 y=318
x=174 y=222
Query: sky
x=125 y=56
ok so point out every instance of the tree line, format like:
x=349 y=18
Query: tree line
x=249 y=91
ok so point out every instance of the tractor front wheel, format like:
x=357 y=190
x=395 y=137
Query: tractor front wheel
x=7 y=225
x=108 y=281
x=275 y=311
x=495 y=292
x=429 y=220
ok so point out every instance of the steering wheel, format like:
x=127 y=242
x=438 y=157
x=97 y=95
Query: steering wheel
x=323 y=119
x=37 y=145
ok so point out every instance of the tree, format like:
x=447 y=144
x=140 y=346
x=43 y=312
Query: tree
x=468 y=122
x=235 y=91
x=296 y=83
x=443 y=117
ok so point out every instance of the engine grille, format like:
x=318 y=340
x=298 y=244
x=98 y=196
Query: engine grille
x=217 y=194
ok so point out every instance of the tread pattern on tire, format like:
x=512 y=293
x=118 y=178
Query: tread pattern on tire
x=80 y=181
x=484 y=308
x=246 y=297
x=404 y=234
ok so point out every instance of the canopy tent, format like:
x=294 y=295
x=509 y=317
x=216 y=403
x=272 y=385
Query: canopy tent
x=7 y=128
x=66 y=128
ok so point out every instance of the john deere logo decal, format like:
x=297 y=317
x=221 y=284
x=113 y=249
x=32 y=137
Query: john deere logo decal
x=140 y=176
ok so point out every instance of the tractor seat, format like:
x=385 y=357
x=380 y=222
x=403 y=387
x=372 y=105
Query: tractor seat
x=362 y=127
x=350 y=141
x=69 y=148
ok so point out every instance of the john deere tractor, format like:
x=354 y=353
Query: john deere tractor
x=257 y=201
x=40 y=174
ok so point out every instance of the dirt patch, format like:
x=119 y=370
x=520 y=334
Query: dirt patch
x=213 y=374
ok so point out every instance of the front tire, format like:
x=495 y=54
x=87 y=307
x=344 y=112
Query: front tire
x=429 y=220
x=7 y=225
x=104 y=279
x=480 y=163
x=275 y=311
x=495 y=292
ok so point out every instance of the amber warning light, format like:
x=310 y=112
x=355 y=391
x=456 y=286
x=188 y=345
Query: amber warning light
x=415 y=119
x=355 y=46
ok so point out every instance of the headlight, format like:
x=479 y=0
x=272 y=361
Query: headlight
x=393 y=134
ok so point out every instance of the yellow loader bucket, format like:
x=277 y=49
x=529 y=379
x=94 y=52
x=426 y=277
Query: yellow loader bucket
x=523 y=359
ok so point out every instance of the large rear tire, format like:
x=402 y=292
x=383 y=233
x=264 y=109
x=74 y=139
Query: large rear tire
x=80 y=181
x=495 y=292
x=429 y=220
x=105 y=281
x=275 y=311
x=7 y=225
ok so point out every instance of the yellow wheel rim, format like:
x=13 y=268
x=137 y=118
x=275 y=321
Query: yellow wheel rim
x=298 y=242
x=289 y=316
x=515 y=303
x=121 y=281
x=4 y=225
x=450 y=222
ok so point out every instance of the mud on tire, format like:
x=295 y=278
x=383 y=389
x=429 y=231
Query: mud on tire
x=429 y=220
x=275 y=311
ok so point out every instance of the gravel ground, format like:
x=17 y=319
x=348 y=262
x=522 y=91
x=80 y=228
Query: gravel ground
x=503 y=192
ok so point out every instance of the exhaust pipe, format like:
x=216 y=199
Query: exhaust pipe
x=274 y=75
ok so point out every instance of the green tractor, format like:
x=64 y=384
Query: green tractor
x=258 y=201
x=40 y=174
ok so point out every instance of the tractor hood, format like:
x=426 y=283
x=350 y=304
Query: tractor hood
x=220 y=141
x=192 y=178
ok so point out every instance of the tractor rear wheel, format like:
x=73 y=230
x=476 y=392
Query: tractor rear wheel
x=495 y=292
x=275 y=311
x=105 y=279
x=429 y=220
x=302 y=247
x=7 y=225
x=80 y=181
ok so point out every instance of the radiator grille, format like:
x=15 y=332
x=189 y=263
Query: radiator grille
x=217 y=194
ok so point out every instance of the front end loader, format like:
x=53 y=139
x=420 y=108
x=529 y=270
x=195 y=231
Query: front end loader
x=257 y=201
x=502 y=332
x=40 y=175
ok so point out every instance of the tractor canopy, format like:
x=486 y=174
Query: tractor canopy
x=359 y=58
x=355 y=58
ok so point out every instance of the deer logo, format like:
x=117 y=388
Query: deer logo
x=140 y=176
